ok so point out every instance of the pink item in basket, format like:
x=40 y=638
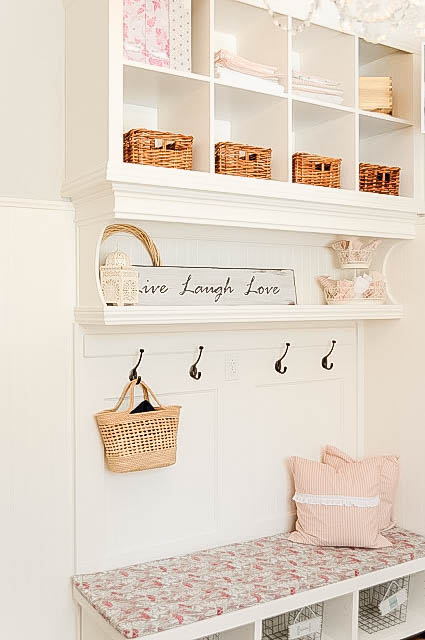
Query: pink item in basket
x=146 y=31
x=389 y=469
x=337 y=508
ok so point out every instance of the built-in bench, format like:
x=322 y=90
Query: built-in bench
x=224 y=588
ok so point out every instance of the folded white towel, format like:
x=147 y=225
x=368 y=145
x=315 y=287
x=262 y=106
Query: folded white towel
x=247 y=81
x=309 y=79
x=320 y=96
x=309 y=89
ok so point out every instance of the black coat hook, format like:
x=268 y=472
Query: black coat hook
x=193 y=371
x=325 y=358
x=133 y=373
x=278 y=363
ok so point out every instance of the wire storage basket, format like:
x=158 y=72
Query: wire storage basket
x=158 y=148
x=305 y=624
x=232 y=158
x=321 y=171
x=384 y=605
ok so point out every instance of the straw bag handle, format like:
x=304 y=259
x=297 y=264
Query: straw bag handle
x=140 y=235
x=147 y=391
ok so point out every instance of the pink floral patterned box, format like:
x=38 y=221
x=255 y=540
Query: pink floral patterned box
x=146 y=31
x=147 y=598
x=158 y=32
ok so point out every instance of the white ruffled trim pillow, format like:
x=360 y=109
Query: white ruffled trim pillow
x=389 y=471
x=337 y=507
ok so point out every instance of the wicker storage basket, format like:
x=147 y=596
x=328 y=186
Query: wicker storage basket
x=378 y=178
x=236 y=159
x=158 y=148
x=139 y=441
x=321 y=171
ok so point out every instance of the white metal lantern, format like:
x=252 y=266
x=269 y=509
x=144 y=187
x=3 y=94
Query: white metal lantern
x=119 y=280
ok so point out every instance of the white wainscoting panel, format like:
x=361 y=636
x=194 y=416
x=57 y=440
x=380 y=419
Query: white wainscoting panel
x=231 y=480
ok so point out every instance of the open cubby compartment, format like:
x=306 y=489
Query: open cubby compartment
x=200 y=40
x=256 y=119
x=247 y=632
x=389 y=143
x=328 y=54
x=415 y=619
x=329 y=132
x=380 y=60
x=201 y=53
x=167 y=102
x=337 y=617
x=248 y=31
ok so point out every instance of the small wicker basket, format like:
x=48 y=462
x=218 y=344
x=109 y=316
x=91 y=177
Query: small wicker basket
x=139 y=441
x=377 y=178
x=377 y=292
x=354 y=255
x=320 y=171
x=337 y=291
x=236 y=159
x=158 y=148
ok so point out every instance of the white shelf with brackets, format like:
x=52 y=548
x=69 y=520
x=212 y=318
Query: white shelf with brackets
x=162 y=315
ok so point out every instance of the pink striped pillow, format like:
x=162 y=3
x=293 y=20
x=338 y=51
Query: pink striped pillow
x=389 y=467
x=337 y=508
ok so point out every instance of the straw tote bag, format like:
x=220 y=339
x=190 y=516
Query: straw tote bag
x=139 y=441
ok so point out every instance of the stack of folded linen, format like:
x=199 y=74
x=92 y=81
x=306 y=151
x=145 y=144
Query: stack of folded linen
x=318 y=88
x=237 y=71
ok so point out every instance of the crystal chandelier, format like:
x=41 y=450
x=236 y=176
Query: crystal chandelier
x=373 y=20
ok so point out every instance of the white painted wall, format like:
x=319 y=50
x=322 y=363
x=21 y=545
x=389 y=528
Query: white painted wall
x=32 y=98
x=36 y=279
x=395 y=378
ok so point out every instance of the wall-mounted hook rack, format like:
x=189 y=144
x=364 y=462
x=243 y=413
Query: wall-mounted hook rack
x=133 y=375
x=325 y=364
x=193 y=371
x=278 y=363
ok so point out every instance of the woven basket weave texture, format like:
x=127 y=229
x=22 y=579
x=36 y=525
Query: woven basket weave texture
x=139 y=441
x=158 y=148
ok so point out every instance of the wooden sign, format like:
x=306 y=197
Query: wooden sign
x=215 y=286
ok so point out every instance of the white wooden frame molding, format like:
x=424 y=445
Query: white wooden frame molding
x=255 y=614
x=119 y=316
x=198 y=198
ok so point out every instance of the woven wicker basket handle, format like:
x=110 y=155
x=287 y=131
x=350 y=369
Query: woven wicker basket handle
x=140 y=235
x=129 y=387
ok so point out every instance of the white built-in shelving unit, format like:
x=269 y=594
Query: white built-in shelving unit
x=123 y=94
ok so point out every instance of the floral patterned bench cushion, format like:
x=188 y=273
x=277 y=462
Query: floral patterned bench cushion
x=147 y=598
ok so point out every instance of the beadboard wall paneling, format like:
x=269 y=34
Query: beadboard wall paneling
x=308 y=254
x=231 y=480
